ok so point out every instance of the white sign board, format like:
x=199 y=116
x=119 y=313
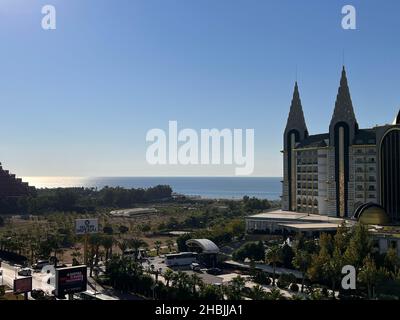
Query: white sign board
x=85 y=226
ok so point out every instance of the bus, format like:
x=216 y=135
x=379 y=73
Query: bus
x=180 y=259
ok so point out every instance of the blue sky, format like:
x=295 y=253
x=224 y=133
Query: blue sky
x=79 y=100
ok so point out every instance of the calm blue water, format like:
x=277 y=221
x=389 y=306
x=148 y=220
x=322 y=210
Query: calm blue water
x=206 y=187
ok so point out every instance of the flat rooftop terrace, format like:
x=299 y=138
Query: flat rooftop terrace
x=311 y=226
x=294 y=216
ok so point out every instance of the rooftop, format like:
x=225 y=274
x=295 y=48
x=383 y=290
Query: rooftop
x=314 y=141
x=295 y=216
x=311 y=226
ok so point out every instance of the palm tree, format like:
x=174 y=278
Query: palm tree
x=275 y=294
x=211 y=292
x=157 y=245
x=273 y=256
x=301 y=261
x=123 y=245
x=76 y=256
x=181 y=280
x=108 y=242
x=136 y=244
x=170 y=244
x=235 y=288
x=94 y=241
x=59 y=251
x=168 y=276
x=257 y=293
x=195 y=281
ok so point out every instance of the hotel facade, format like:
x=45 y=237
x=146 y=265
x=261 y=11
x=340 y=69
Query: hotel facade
x=334 y=173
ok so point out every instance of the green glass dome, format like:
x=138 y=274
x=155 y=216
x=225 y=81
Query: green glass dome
x=371 y=214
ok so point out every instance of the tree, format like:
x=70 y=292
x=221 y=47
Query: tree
x=136 y=244
x=181 y=281
x=211 y=292
x=275 y=294
x=258 y=293
x=123 y=245
x=274 y=256
x=195 y=282
x=170 y=244
x=95 y=241
x=287 y=256
x=302 y=261
x=359 y=246
x=181 y=242
x=369 y=275
x=123 y=229
x=251 y=250
x=76 y=256
x=157 y=245
x=108 y=229
x=235 y=288
x=168 y=276
x=392 y=261
x=333 y=269
x=107 y=243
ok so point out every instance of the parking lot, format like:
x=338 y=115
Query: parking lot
x=158 y=263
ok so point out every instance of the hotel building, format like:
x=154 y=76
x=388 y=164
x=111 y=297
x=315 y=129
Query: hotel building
x=334 y=173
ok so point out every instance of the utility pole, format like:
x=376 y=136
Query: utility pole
x=85 y=254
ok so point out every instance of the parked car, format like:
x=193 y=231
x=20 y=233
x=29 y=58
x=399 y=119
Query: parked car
x=214 y=271
x=26 y=272
x=195 y=267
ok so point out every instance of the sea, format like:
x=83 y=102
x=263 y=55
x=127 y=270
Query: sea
x=204 y=187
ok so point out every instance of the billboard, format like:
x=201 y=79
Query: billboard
x=22 y=285
x=86 y=226
x=71 y=280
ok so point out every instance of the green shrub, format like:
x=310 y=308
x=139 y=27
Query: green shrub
x=251 y=250
x=283 y=282
x=261 y=278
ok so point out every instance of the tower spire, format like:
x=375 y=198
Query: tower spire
x=296 y=116
x=295 y=131
x=343 y=106
x=344 y=111
x=397 y=119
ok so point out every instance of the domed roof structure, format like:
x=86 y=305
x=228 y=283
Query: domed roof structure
x=372 y=214
x=206 y=246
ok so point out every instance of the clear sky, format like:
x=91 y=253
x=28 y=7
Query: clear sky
x=79 y=100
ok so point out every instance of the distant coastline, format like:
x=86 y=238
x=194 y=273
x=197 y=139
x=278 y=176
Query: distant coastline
x=204 y=187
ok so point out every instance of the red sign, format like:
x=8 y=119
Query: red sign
x=71 y=280
x=23 y=285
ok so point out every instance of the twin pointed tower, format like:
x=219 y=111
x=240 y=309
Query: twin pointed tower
x=336 y=172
